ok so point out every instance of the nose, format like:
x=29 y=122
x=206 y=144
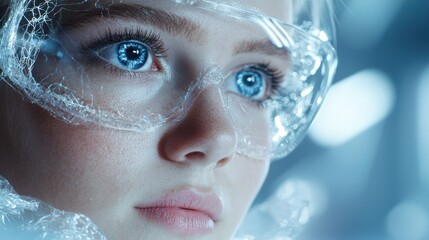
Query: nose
x=205 y=135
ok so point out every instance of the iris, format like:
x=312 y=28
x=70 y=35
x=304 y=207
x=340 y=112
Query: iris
x=132 y=55
x=250 y=83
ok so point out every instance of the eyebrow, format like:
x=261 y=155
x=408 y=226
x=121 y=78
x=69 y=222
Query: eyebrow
x=165 y=21
x=262 y=46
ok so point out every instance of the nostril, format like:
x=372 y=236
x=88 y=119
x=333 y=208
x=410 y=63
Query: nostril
x=222 y=162
x=195 y=156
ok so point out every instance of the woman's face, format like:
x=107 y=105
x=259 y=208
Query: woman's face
x=182 y=180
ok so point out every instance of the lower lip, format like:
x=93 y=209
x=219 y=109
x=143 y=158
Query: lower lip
x=179 y=220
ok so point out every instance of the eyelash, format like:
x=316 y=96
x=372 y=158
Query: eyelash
x=150 y=38
x=155 y=43
x=275 y=76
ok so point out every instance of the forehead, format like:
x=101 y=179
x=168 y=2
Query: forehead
x=280 y=9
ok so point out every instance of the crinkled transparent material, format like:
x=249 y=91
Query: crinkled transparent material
x=96 y=63
x=27 y=218
x=280 y=217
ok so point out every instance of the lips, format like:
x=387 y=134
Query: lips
x=185 y=212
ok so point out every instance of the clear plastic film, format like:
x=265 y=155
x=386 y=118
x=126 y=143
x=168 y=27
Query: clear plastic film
x=25 y=218
x=138 y=67
x=281 y=217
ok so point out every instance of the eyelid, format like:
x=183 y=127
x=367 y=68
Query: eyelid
x=273 y=77
x=272 y=73
x=109 y=38
x=108 y=55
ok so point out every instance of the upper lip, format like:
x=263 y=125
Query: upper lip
x=205 y=202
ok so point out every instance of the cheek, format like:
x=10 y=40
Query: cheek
x=252 y=125
x=72 y=168
x=251 y=174
x=245 y=178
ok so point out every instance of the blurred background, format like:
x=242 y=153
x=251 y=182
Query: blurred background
x=365 y=165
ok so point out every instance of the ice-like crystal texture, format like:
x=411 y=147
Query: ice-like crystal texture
x=30 y=36
x=281 y=217
x=27 y=218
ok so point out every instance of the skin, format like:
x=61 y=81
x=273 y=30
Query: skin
x=104 y=173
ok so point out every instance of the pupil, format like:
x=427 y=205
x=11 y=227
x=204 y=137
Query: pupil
x=249 y=80
x=249 y=83
x=133 y=53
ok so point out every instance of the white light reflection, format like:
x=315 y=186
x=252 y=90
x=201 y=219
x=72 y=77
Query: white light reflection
x=281 y=130
x=352 y=106
x=407 y=221
x=307 y=190
x=283 y=214
x=323 y=36
x=423 y=126
x=307 y=91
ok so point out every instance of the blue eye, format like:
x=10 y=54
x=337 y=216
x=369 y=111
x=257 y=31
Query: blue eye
x=129 y=56
x=132 y=55
x=250 y=83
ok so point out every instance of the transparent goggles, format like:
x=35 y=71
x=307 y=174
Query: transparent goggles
x=139 y=65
